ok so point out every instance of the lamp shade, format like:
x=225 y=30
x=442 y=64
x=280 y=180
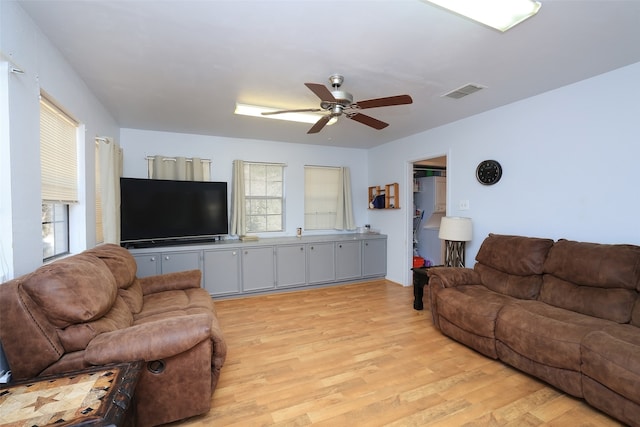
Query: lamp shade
x=456 y=229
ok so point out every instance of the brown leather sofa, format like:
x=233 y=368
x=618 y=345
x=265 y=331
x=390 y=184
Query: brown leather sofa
x=565 y=312
x=90 y=309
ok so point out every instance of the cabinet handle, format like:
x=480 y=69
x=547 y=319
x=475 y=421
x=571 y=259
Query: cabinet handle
x=152 y=259
x=246 y=252
x=234 y=253
x=339 y=246
x=312 y=248
x=302 y=248
x=166 y=258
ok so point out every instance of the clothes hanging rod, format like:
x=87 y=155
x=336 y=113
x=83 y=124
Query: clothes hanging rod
x=173 y=159
x=431 y=168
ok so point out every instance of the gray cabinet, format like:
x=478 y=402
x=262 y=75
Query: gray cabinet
x=258 y=268
x=348 y=260
x=291 y=265
x=321 y=262
x=173 y=262
x=222 y=272
x=150 y=264
x=374 y=257
x=236 y=268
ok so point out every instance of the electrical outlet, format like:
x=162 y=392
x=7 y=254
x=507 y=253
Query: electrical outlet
x=463 y=205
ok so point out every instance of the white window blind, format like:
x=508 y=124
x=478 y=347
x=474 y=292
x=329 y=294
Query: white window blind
x=58 y=154
x=321 y=187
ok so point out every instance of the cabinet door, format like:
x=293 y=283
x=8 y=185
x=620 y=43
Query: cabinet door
x=291 y=265
x=374 y=257
x=148 y=264
x=222 y=272
x=321 y=262
x=258 y=268
x=348 y=260
x=173 y=262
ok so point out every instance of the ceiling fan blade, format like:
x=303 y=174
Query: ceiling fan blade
x=321 y=92
x=369 y=121
x=320 y=124
x=303 y=110
x=384 y=102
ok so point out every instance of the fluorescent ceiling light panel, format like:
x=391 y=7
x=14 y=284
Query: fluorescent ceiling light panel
x=498 y=14
x=256 y=111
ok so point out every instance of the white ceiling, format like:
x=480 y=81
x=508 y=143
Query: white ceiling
x=180 y=66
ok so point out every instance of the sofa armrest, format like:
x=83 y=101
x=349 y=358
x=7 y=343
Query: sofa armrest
x=170 y=281
x=149 y=341
x=448 y=277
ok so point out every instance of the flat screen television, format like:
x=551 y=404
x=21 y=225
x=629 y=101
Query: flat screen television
x=159 y=211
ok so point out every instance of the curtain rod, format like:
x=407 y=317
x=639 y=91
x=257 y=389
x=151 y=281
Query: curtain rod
x=173 y=159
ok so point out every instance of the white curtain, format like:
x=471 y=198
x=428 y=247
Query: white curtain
x=179 y=168
x=238 y=214
x=344 y=208
x=110 y=173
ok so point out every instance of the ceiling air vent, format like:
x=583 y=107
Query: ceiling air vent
x=463 y=91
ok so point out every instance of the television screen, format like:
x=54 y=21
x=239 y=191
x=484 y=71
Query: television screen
x=158 y=210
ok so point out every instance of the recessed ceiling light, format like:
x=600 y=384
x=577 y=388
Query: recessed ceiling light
x=301 y=117
x=498 y=14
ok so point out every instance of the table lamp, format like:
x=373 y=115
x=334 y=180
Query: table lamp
x=455 y=231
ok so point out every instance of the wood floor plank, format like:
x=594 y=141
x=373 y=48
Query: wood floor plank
x=359 y=355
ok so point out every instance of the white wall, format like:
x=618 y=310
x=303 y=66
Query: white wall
x=137 y=144
x=22 y=45
x=570 y=168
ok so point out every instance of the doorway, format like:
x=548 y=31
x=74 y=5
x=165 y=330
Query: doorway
x=429 y=205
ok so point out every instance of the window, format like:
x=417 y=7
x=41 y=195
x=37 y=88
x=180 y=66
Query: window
x=264 y=196
x=321 y=193
x=58 y=160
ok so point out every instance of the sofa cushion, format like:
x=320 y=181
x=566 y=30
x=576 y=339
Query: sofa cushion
x=635 y=314
x=183 y=301
x=54 y=287
x=119 y=260
x=595 y=264
x=611 y=304
x=612 y=358
x=133 y=296
x=522 y=256
x=546 y=334
x=76 y=337
x=468 y=314
x=523 y=287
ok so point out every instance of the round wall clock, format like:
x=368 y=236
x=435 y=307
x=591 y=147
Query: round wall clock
x=489 y=172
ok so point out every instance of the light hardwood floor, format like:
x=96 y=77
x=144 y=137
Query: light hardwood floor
x=360 y=355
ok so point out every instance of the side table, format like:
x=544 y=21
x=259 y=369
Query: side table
x=420 y=280
x=99 y=396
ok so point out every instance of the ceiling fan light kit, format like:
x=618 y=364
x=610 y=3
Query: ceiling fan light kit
x=499 y=14
x=337 y=103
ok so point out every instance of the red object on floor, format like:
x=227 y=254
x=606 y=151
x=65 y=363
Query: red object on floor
x=418 y=262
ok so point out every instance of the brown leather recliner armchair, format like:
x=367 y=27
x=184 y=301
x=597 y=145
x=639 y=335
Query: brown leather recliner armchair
x=90 y=309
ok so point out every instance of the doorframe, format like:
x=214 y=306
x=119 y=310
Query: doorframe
x=408 y=202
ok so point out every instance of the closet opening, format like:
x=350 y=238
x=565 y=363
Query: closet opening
x=429 y=206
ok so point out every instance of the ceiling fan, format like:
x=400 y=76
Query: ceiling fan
x=338 y=102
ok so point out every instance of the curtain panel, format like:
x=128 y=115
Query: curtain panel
x=179 y=168
x=111 y=157
x=238 y=212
